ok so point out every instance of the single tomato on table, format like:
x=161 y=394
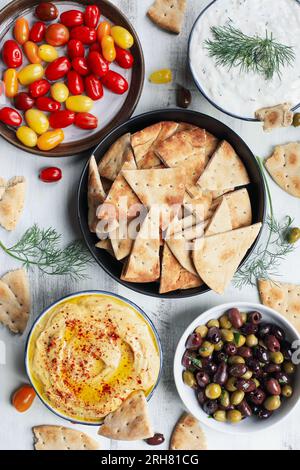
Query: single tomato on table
x=97 y=64
x=75 y=49
x=46 y=11
x=31 y=50
x=11 y=84
x=10 y=116
x=23 y=101
x=91 y=16
x=51 y=174
x=27 y=136
x=86 y=121
x=30 y=73
x=57 y=34
x=37 y=32
x=43 y=103
x=124 y=58
x=12 y=54
x=72 y=18
x=51 y=139
x=58 y=68
x=80 y=64
x=23 y=398
x=93 y=87
x=39 y=88
x=21 y=30
x=85 y=34
x=115 y=82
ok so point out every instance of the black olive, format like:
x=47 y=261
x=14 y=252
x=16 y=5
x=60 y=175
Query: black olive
x=245 y=409
x=249 y=329
x=272 y=386
x=253 y=364
x=221 y=375
x=235 y=317
x=286 y=350
x=278 y=332
x=264 y=414
x=272 y=343
x=272 y=368
x=254 y=317
x=194 y=341
x=230 y=349
x=201 y=397
x=214 y=335
x=246 y=386
x=210 y=368
x=156 y=440
x=282 y=378
x=184 y=97
x=262 y=354
x=237 y=370
x=264 y=329
x=210 y=407
x=202 y=379
x=257 y=396
x=221 y=356
x=245 y=352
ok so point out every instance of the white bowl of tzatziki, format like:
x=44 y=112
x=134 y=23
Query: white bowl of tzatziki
x=241 y=86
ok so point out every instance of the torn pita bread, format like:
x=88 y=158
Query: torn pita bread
x=143 y=264
x=239 y=207
x=180 y=248
x=284 y=167
x=105 y=245
x=12 y=202
x=130 y=422
x=187 y=435
x=96 y=194
x=168 y=14
x=285 y=298
x=220 y=221
x=15 y=300
x=217 y=257
x=60 y=438
x=275 y=116
x=224 y=170
x=112 y=161
x=173 y=275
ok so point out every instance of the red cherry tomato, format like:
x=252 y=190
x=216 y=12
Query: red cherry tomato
x=91 y=16
x=93 y=87
x=39 y=88
x=23 y=398
x=80 y=65
x=75 y=83
x=96 y=47
x=124 y=58
x=75 y=49
x=72 y=18
x=58 y=68
x=115 y=82
x=57 y=34
x=43 y=103
x=86 y=121
x=10 y=116
x=46 y=11
x=97 y=64
x=12 y=54
x=37 y=32
x=23 y=101
x=61 y=119
x=50 y=174
x=85 y=34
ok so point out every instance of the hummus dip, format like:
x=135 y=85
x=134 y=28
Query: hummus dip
x=88 y=353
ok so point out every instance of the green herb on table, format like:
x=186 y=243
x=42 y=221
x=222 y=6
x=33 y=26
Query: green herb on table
x=263 y=55
x=266 y=258
x=41 y=248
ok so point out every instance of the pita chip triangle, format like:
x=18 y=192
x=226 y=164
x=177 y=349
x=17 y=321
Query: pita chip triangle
x=217 y=257
x=105 y=245
x=200 y=206
x=112 y=161
x=96 y=194
x=180 y=248
x=173 y=275
x=284 y=167
x=168 y=14
x=121 y=246
x=15 y=300
x=130 y=422
x=50 y=437
x=187 y=434
x=12 y=199
x=220 y=221
x=239 y=207
x=224 y=170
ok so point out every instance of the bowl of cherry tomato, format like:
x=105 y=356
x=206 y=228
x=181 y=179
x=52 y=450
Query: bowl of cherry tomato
x=71 y=71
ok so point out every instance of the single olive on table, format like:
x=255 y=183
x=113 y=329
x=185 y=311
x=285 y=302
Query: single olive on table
x=239 y=366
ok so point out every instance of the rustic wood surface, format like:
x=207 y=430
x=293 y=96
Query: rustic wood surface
x=56 y=205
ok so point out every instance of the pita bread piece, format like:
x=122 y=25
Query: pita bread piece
x=239 y=207
x=224 y=170
x=275 y=116
x=168 y=14
x=96 y=194
x=220 y=221
x=181 y=249
x=130 y=422
x=187 y=435
x=112 y=161
x=285 y=298
x=217 y=257
x=12 y=202
x=199 y=206
x=284 y=167
x=121 y=246
x=105 y=245
x=15 y=300
x=61 y=438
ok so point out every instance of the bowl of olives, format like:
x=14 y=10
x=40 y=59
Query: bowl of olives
x=236 y=366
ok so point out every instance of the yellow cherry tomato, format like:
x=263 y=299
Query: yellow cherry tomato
x=30 y=74
x=27 y=136
x=103 y=30
x=59 y=92
x=10 y=79
x=161 y=76
x=31 y=52
x=51 y=139
x=79 y=103
x=47 y=53
x=37 y=121
x=21 y=30
x=108 y=48
x=122 y=37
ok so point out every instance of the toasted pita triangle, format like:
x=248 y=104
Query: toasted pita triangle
x=168 y=14
x=15 y=300
x=217 y=257
x=173 y=275
x=284 y=167
x=61 y=438
x=200 y=206
x=12 y=202
x=112 y=161
x=96 y=194
x=181 y=249
x=187 y=435
x=220 y=221
x=105 y=245
x=130 y=422
x=121 y=246
x=239 y=207
x=224 y=170
x=275 y=116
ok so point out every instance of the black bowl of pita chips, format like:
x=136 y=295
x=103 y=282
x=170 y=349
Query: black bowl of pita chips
x=194 y=203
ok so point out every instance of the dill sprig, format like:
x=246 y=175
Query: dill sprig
x=40 y=247
x=263 y=55
x=266 y=258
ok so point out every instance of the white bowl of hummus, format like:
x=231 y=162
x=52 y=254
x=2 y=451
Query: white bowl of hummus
x=88 y=352
x=240 y=92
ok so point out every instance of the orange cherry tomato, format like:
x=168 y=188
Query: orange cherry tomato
x=108 y=48
x=21 y=30
x=23 y=398
x=57 y=34
x=31 y=50
x=103 y=29
x=10 y=79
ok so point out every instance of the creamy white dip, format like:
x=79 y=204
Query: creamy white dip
x=243 y=93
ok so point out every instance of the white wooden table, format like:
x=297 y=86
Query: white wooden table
x=55 y=205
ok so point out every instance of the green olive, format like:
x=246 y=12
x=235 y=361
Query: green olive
x=227 y=335
x=289 y=368
x=234 y=416
x=212 y=323
x=237 y=397
x=287 y=391
x=218 y=346
x=272 y=403
x=230 y=384
x=189 y=379
x=213 y=391
x=248 y=375
x=224 y=322
x=257 y=382
x=220 y=415
x=206 y=349
x=296 y=120
x=277 y=357
x=251 y=341
x=225 y=399
x=293 y=235
x=239 y=340
x=236 y=360
x=201 y=330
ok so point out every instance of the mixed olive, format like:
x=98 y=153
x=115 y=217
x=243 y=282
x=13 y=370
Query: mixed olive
x=239 y=366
